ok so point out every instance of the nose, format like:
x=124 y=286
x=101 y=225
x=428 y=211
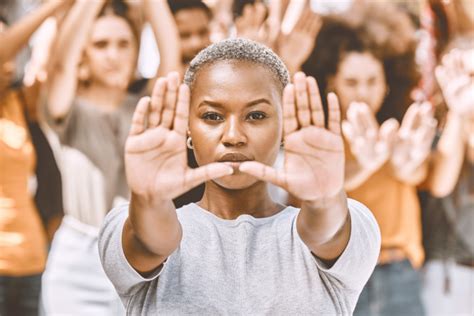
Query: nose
x=233 y=135
x=196 y=42
x=113 y=53
x=362 y=93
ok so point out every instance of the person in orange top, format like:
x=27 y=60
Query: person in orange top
x=23 y=243
x=385 y=160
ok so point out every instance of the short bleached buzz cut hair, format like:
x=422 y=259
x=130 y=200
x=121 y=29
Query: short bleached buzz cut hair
x=238 y=49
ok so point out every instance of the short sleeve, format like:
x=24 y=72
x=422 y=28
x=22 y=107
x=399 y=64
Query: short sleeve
x=126 y=280
x=62 y=126
x=357 y=262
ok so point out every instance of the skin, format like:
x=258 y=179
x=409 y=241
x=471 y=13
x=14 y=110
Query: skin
x=194 y=33
x=360 y=78
x=111 y=52
x=7 y=69
x=361 y=87
x=155 y=158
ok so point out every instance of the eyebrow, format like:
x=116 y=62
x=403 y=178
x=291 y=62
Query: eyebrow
x=219 y=105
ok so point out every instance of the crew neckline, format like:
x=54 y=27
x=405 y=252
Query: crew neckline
x=241 y=218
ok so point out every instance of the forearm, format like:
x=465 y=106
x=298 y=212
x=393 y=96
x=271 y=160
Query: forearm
x=70 y=44
x=448 y=158
x=13 y=39
x=324 y=226
x=159 y=15
x=151 y=233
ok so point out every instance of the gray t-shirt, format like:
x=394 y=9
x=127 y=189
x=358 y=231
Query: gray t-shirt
x=101 y=137
x=246 y=266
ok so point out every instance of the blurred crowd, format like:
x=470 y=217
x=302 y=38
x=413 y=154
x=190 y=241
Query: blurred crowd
x=72 y=71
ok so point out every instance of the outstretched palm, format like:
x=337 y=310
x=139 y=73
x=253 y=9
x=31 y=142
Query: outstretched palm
x=314 y=155
x=155 y=151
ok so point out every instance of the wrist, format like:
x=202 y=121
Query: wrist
x=327 y=202
x=145 y=201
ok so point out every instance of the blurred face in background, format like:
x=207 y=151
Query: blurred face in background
x=194 y=32
x=7 y=69
x=111 y=53
x=360 y=78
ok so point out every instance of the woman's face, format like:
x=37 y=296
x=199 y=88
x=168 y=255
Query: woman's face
x=360 y=78
x=7 y=69
x=111 y=52
x=235 y=115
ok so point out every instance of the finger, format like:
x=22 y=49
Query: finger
x=194 y=177
x=315 y=25
x=260 y=13
x=263 y=172
x=149 y=140
x=410 y=120
x=425 y=134
x=354 y=118
x=317 y=112
x=138 y=119
x=181 y=116
x=308 y=21
x=299 y=26
x=302 y=102
x=170 y=98
x=348 y=131
x=290 y=124
x=388 y=132
x=334 y=121
x=157 y=97
x=368 y=118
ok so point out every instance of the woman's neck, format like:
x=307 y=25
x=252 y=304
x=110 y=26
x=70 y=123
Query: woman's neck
x=230 y=204
x=107 y=98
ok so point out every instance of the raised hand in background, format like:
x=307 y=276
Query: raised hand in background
x=413 y=143
x=455 y=78
x=295 y=47
x=370 y=143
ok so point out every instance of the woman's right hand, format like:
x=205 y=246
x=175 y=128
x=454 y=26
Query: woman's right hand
x=455 y=78
x=370 y=143
x=155 y=151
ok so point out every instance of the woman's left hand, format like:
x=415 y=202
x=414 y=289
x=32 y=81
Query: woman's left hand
x=414 y=140
x=314 y=155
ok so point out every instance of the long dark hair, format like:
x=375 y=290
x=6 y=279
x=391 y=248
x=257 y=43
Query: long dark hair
x=340 y=35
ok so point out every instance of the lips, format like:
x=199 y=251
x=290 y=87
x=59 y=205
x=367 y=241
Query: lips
x=234 y=157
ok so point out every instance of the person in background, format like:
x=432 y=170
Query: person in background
x=388 y=141
x=193 y=19
x=90 y=109
x=23 y=241
x=448 y=217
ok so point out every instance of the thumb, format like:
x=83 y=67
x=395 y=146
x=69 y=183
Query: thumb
x=264 y=173
x=194 y=177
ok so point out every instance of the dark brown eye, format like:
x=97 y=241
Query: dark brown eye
x=212 y=116
x=256 y=116
x=100 y=44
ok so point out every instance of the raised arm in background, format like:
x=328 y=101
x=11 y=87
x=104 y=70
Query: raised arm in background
x=69 y=47
x=457 y=86
x=15 y=37
x=159 y=15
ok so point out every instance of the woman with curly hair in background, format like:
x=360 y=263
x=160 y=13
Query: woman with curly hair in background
x=368 y=60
